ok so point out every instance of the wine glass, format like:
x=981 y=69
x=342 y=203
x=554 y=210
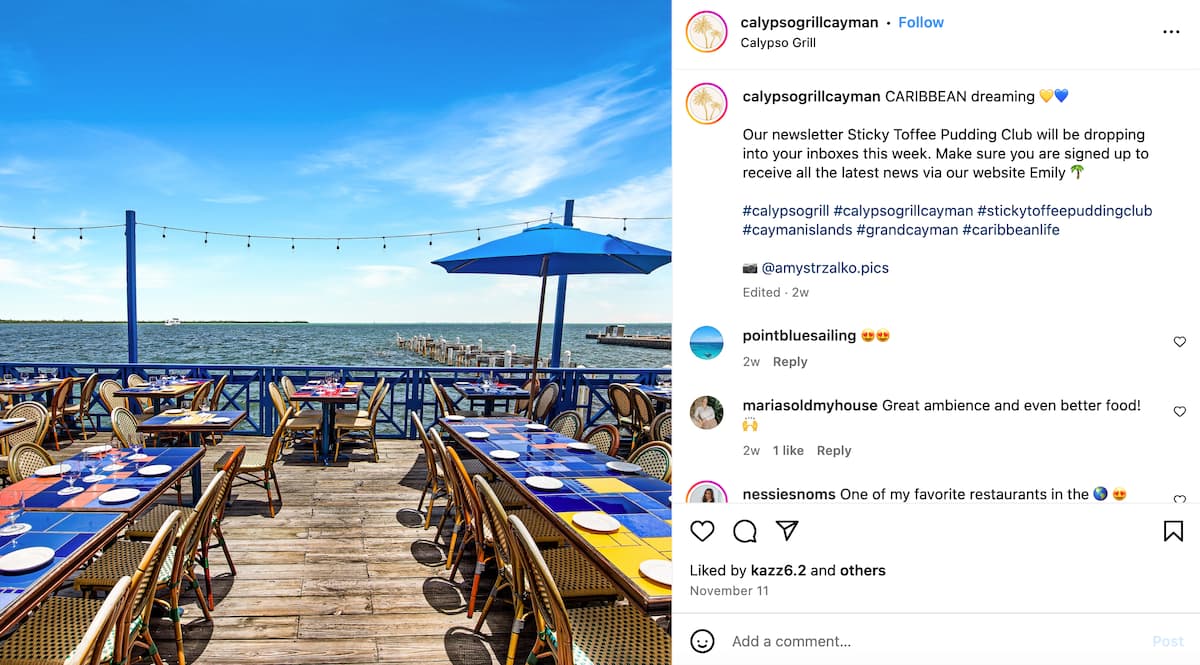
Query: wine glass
x=14 y=503
x=8 y=378
x=90 y=467
x=24 y=377
x=138 y=444
x=70 y=474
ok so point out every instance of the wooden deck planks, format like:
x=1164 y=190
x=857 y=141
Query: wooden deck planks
x=343 y=574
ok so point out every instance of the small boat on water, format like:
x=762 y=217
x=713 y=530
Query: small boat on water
x=615 y=334
x=173 y=321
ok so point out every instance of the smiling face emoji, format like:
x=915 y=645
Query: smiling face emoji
x=868 y=335
x=883 y=334
x=1119 y=493
x=703 y=641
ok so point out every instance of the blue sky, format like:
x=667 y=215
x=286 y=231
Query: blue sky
x=324 y=119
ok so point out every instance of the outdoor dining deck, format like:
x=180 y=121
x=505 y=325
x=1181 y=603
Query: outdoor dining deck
x=344 y=573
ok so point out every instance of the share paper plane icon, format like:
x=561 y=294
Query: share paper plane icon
x=788 y=526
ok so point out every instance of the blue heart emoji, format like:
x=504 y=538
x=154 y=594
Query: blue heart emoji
x=1061 y=94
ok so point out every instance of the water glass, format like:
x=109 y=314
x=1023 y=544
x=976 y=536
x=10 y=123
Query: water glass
x=138 y=445
x=8 y=378
x=14 y=503
x=24 y=377
x=70 y=474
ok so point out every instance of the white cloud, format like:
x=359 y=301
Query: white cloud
x=380 y=276
x=18 y=78
x=15 y=166
x=236 y=199
x=504 y=148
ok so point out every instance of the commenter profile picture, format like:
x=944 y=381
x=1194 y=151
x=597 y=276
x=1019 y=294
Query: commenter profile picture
x=706 y=412
x=706 y=491
x=706 y=103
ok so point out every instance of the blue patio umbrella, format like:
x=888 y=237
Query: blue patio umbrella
x=555 y=249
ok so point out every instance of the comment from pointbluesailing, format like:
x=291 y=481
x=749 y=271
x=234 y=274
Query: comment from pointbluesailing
x=791 y=335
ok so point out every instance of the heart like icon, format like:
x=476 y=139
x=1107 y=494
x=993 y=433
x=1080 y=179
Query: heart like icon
x=1179 y=498
x=1180 y=410
x=702 y=529
x=1180 y=340
x=1061 y=94
x=1046 y=95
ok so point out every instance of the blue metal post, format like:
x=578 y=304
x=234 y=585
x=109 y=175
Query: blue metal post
x=131 y=283
x=560 y=305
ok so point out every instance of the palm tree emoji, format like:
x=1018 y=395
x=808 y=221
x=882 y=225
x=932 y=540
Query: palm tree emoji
x=706 y=102
x=1077 y=169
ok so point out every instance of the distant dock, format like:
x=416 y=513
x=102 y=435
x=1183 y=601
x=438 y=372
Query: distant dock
x=457 y=353
x=616 y=335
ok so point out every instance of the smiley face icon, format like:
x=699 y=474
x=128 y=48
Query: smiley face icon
x=868 y=335
x=883 y=334
x=703 y=641
x=1119 y=493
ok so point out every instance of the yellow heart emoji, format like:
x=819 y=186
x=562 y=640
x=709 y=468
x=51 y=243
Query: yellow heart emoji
x=1047 y=95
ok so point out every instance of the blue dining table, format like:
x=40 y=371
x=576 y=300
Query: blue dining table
x=74 y=537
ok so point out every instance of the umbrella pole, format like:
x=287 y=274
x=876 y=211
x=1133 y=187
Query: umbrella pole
x=537 y=338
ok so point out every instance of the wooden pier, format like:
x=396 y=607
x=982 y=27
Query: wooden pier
x=456 y=353
x=616 y=335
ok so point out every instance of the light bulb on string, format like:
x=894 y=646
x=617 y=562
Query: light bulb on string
x=81 y=233
x=164 y=232
x=477 y=236
x=293 y=245
x=623 y=224
x=339 y=245
x=35 y=233
x=206 y=237
x=384 y=239
x=431 y=240
x=247 y=242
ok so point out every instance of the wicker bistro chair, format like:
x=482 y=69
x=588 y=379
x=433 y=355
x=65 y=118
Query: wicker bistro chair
x=81 y=410
x=258 y=467
x=351 y=422
x=523 y=407
x=654 y=458
x=98 y=641
x=58 y=414
x=33 y=435
x=567 y=423
x=577 y=578
x=597 y=635
x=621 y=402
x=376 y=395
x=200 y=398
x=545 y=532
x=544 y=403
x=56 y=627
x=436 y=485
x=605 y=438
x=643 y=415
x=660 y=427
x=25 y=458
x=180 y=568
x=475 y=532
x=308 y=423
x=218 y=390
x=148 y=523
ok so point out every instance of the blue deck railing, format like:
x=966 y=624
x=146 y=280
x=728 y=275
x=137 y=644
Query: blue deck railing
x=583 y=389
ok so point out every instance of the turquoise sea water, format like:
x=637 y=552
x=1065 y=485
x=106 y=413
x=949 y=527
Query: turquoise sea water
x=301 y=344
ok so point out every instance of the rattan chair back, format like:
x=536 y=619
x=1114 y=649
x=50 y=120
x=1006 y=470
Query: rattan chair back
x=275 y=448
x=606 y=438
x=108 y=397
x=447 y=472
x=545 y=401
x=550 y=611
x=62 y=394
x=378 y=394
x=567 y=423
x=643 y=408
x=31 y=411
x=431 y=462
x=195 y=527
x=25 y=458
x=215 y=401
x=286 y=385
x=91 y=647
x=124 y=426
x=620 y=400
x=660 y=427
x=232 y=466
x=200 y=397
x=470 y=500
x=277 y=400
x=444 y=405
x=86 y=392
x=496 y=518
x=654 y=458
x=136 y=614
x=530 y=386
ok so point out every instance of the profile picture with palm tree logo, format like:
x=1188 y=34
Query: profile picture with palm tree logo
x=707 y=31
x=706 y=103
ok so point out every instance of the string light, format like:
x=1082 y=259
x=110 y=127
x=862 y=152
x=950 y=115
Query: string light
x=384 y=239
x=35 y=233
x=477 y=236
x=431 y=240
x=293 y=245
x=164 y=232
x=623 y=224
x=247 y=241
x=206 y=237
x=339 y=245
x=81 y=233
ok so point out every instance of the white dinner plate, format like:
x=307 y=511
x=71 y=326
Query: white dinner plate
x=624 y=467
x=536 y=427
x=52 y=470
x=544 y=482
x=26 y=559
x=596 y=521
x=477 y=435
x=347 y=393
x=173 y=412
x=454 y=419
x=657 y=570
x=155 y=470
x=579 y=445
x=12 y=421
x=69 y=491
x=219 y=420
x=505 y=454
x=462 y=383
x=119 y=495
x=96 y=450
